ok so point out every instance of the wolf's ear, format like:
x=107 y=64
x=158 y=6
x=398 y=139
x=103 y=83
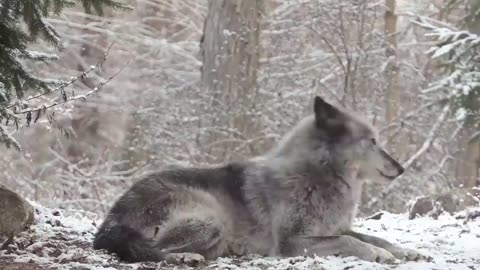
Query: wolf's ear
x=323 y=110
x=329 y=119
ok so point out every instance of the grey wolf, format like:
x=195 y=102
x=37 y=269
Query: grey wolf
x=300 y=198
x=15 y=214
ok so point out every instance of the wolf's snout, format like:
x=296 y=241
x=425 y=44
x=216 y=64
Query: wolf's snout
x=391 y=177
x=391 y=168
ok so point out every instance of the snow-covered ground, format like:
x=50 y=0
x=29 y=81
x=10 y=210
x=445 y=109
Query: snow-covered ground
x=63 y=239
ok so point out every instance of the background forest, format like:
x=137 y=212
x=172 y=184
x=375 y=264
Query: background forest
x=193 y=82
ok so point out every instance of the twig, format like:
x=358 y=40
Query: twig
x=83 y=97
x=430 y=137
x=72 y=80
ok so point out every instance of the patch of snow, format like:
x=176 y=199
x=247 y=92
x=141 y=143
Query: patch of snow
x=228 y=33
x=439 y=51
x=460 y=114
x=62 y=239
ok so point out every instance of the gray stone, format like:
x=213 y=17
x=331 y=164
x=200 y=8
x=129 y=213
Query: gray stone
x=16 y=214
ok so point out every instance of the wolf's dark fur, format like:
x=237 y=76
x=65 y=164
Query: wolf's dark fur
x=129 y=244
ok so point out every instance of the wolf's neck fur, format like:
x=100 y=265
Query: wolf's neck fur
x=291 y=156
x=314 y=178
x=289 y=142
x=272 y=182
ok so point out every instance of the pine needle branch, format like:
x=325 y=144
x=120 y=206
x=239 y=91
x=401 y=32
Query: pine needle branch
x=83 y=97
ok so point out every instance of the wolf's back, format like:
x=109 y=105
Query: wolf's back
x=129 y=244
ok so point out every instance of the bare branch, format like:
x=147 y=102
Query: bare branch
x=77 y=97
x=67 y=83
x=430 y=137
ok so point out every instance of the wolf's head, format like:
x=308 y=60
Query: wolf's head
x=353 y=142
x=334 y=136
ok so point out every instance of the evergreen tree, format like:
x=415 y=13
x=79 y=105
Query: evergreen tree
x=22 y=22
x=459 y=52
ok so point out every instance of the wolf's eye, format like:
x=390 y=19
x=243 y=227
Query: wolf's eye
x=374 y=141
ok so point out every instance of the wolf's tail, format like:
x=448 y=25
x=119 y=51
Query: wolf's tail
x=129 y=244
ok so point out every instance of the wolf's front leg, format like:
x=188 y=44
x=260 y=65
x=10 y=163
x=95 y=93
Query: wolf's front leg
x=342 y=245
x=397 y=251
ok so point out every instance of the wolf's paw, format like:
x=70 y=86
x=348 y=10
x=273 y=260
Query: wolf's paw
x=372 y=253
x=381 y=255
x=407 y=254
x=191 y=259
x=367 y=252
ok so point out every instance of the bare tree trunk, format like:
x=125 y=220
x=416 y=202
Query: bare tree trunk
x=468 y=164
x=230 y=50
x=392 y=94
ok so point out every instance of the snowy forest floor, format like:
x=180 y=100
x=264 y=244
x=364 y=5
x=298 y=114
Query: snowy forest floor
x=62 y=239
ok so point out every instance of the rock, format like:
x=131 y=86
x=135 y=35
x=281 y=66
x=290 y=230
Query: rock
x=16 y=214
x=452 y=201
x=421 y=207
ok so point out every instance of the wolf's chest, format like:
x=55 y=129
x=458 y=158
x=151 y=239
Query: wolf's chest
x=329 y=209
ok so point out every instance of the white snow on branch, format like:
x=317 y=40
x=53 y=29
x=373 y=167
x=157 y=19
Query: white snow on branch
x=8 y=139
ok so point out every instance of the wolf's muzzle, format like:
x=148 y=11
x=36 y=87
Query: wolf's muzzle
x=399 y=168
